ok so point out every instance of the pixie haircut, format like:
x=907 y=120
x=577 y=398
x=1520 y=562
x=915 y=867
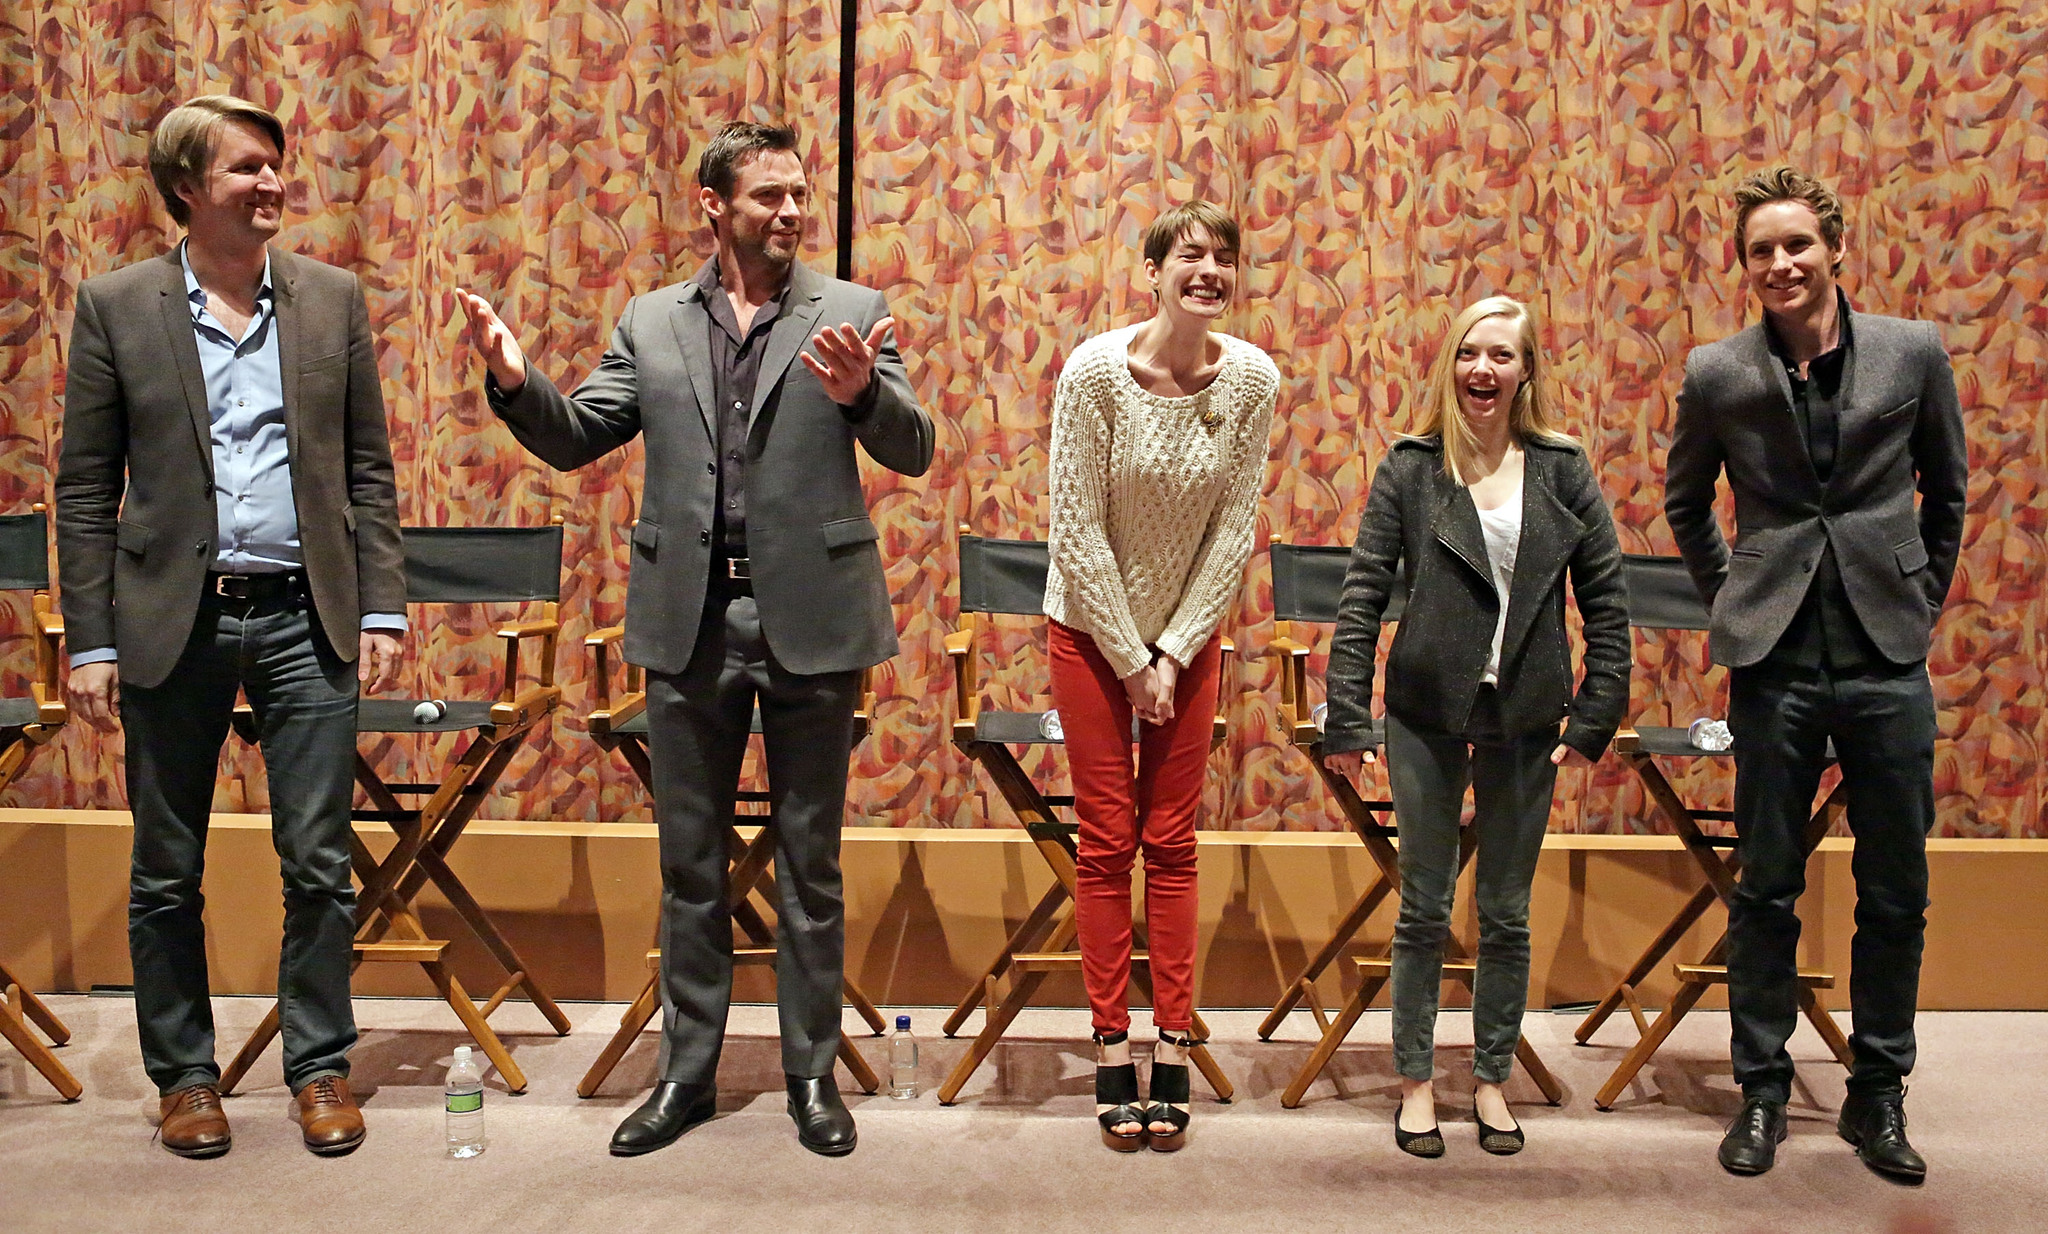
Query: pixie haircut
x=736 y=145
x=1787 y=184
x=181 y=149
x=1532 y=416
x=1171 y=227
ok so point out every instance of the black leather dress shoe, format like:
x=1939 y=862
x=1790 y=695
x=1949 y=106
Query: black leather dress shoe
x=1751 y=1145
x=1876 y=1125
x=670 y=1110
x=823 y=1123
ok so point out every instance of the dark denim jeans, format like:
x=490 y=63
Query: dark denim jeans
x=1882 y=722
x=1512 y=780
x=304 y=696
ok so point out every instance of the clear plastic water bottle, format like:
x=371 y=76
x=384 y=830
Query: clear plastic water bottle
x=465 y=1094
x=902 y=1061
x=1710 y=735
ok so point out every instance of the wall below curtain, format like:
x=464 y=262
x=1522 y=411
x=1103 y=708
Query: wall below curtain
x=1391 y=160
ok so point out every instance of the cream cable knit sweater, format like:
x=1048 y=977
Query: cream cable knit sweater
x=1154 y=500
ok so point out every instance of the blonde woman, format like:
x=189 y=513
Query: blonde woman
x=1487 y=510
x=1158 y=453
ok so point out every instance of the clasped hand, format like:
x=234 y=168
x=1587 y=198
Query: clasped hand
x=1151 y=688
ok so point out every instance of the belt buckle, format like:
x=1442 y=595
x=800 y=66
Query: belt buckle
x=736 y=567
x=220 y=587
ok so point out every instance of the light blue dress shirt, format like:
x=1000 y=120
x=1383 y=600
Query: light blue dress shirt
x=256 y=523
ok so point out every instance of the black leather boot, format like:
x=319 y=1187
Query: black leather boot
x=671 y=1109
x=823 y=1123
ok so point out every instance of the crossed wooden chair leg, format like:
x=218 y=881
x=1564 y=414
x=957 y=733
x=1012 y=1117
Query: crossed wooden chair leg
x=748 y=874
x=19 y=1008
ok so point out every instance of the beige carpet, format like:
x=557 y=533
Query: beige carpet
x=1019 y=1152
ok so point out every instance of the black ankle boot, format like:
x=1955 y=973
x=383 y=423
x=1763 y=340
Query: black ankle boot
x=669 y=1111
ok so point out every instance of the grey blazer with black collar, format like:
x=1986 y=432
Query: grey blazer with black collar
x=817 y=568
x=1423 y=522
x=1901 y=430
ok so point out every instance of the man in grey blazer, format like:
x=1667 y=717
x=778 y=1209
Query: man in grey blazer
x=1826 y=422
x=226 y=520
x=756 y=576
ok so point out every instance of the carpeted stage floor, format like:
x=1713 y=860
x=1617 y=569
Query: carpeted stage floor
x=1019 y=1152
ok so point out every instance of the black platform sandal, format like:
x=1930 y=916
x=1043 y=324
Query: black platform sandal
x=1169 y=1087
x=1117 y=1087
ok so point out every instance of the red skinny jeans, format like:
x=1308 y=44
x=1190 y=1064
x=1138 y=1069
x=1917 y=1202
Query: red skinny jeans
x=1121 y=810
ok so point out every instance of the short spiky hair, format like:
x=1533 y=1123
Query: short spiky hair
x=182 y=146
x=736 y=145
x=1783 y=183
x=1167 y=230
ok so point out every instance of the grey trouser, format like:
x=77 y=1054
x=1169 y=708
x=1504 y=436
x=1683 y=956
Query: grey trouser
x=1511 y=781
x=304 y=696
x=698 y=722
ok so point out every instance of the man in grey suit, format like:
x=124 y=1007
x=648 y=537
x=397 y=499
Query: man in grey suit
x=756 y=575
x=226 y=520
x=1826 y=421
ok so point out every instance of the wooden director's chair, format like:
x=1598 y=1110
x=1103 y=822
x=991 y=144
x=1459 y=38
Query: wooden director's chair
x=450 y=565
x=1008 y=577
x=27 y=722
x=1308 y=581
x=621 y=724
x=1661 y=596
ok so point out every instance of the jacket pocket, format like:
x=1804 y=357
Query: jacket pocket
x=646 y=535
x=132 y=537
x=348 y=518
x=1912 y=555
x=1903 y=411
x=846 y=532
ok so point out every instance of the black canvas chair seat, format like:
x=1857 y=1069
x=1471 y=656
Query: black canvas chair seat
x=17 y=712
x=451 y=565
x=1661 y=596
x=1007 y=578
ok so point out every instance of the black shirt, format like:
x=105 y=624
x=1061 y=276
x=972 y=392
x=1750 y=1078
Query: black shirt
x=735 y=370
x=1825 y=632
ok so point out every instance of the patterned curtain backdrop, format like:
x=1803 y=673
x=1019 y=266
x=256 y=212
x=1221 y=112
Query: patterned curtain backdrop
x=1391 y=159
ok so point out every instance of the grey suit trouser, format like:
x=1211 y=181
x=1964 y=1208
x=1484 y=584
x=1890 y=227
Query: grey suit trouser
x=698 y=722
x=304 y=696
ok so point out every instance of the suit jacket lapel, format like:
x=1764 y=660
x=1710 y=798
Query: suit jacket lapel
x=288 y=321
x=790 y=332
x=689 y=320
x=184 y=349
x=1457 y=526
x=1785 y=412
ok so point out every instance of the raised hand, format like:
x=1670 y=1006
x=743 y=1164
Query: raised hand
x=844 y=362
x=493 y=340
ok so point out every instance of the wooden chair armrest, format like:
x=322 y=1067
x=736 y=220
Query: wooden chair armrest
x=605 y=637
x=600 y=643
x=960 y=648
x=1283 y=645
x=515 y=635
x=528 y=629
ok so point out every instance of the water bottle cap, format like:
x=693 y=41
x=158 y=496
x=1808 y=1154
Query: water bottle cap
x=462 y=1054
x=902 y=1023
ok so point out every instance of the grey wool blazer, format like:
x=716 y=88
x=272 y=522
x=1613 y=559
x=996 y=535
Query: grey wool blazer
x=1901 y=431
x=813 y=551
x=136 y=519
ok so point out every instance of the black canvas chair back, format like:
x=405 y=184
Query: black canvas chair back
x=25 y=552
x=1661 y=595
x=1003 y=576
x=482 y=565
x=1308 y=580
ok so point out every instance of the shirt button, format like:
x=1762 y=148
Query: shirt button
x=241 y=402
x=734 y=504
x=739 y=406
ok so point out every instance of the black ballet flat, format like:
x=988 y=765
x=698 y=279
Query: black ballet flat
x=1499 y=1143
x=1428 y=1143
x=1117 y=1087
x=1169 y=1088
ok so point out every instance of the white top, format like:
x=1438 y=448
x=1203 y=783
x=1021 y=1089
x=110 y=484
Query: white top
x=1503 y=528
x=1154 y=500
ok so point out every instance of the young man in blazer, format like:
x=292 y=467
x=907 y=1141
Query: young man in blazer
x=226 y=520
x=1826 y=422
x=756 y=576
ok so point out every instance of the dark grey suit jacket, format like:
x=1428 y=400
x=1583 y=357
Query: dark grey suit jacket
x=1901 y=429
x=1424 y=522
x=817 y=569
x=135 y=502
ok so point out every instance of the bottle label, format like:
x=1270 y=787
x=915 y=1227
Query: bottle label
x=465 y=1103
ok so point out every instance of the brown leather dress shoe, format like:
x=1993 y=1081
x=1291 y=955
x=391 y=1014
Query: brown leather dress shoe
x=329 y=1117
x=192 y=1124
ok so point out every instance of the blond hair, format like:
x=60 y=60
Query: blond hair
x=1530 y=418
x=182 y=147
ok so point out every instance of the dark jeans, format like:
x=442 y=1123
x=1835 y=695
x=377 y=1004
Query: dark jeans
x=697 y=724
x=1512 y=780
x=304 y=696
x=1882 y=721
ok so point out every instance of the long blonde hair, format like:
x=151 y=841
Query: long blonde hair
x=1532 y=416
